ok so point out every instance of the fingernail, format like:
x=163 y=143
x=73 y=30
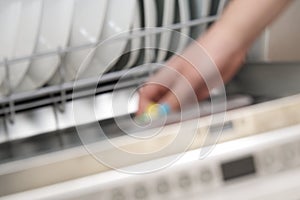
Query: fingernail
x=165 y=109
x=153 y=110
x=157 y=110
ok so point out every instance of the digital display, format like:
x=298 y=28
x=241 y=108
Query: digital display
x=238 y=168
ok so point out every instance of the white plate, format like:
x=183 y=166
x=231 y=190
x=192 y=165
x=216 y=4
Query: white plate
x=165 y=38
x=120 y=15
x=199 y=9
x=135 y=44
x=150 y=13
x=9 y=17
x=185 y=16
x=54 y=33
x=26 y=39
x=87 y=26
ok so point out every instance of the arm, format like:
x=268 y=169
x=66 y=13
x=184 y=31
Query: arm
x=226 y=43
x=241 y=23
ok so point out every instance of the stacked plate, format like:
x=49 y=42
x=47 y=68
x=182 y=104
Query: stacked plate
x=37 y=26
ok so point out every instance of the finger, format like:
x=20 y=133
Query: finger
x=202 y=93
x=142 y=105
x=186 y=91
x=231 y=68
x=157 y=86
x=151 y=92
x=181 y=94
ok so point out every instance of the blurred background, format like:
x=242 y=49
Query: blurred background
x=69 y=75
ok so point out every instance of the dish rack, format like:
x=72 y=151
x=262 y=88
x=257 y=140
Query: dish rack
x=57 y=96
x=59 y=149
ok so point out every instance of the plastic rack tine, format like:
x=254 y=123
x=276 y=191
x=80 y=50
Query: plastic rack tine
x=153 y=68
x=4 y=123
x=62 y=74
x=137 y=80
x=11 y=103
x=58 y=133
x=221 y=7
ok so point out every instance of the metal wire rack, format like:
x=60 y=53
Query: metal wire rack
x=58 y=95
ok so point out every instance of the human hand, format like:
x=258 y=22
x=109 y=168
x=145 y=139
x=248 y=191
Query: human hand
x=187 y=78
x=214 y=58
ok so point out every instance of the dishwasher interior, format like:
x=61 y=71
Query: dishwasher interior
x=62 y=141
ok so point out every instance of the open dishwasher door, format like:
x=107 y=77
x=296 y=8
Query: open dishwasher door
x=259 y=167
x=75 y=139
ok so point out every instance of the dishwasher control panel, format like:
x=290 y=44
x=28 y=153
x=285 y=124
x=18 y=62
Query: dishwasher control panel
x=234 y=163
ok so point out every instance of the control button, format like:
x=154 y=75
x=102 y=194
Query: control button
x=163 y=187
x=206 y=176
x=289 y=155
x=118 y=195
x=185 y=181
x=270 y=161
x=140 y=192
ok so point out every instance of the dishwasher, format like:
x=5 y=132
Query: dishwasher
x=75 y=139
